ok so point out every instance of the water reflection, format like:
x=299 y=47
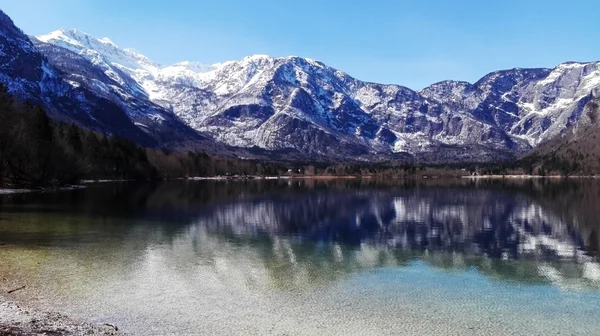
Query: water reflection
x=308 y=233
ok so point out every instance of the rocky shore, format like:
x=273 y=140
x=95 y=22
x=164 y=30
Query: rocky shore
x=16 y=320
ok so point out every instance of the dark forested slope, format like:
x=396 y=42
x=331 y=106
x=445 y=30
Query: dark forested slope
x=36 y=151
x=575 y=151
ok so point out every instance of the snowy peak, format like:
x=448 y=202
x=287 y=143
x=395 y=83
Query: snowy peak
x=97 y=50
x=106 y=40
x=303 y=105
x=257 y=58
x=224 y=78
x=74 y=39
x=48 y=79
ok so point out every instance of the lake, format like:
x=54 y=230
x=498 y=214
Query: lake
x=306 y=257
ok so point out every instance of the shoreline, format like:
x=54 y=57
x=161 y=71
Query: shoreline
x=12 y=191
x=103 y=181
x=288 y=177
x=84 y=183
x=531 y=177
x=374 y=177
x=18 y=319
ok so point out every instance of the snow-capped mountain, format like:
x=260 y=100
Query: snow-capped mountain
x=530 y=104
x=302 y=105
x=575 y=151
x=291 y=106
x=30 y=75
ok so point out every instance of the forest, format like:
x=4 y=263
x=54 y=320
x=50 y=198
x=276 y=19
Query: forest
x=37 y=152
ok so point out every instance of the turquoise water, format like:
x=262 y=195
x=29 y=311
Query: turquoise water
x=311 y=258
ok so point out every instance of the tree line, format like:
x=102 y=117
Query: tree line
x=37 y=152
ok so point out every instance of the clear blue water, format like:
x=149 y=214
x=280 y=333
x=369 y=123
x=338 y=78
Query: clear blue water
x=311 y=257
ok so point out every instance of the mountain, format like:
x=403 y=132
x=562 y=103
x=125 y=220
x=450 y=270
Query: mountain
x=278 y=104
x=291 y=107
x=526 y=103
x=304 y=106
x=30 y=75
x=574 y=151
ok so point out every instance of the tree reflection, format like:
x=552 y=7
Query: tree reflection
x=317 y=231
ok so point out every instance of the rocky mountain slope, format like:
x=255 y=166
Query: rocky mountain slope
x=293 y=107
x=574 y=151
x=30 y=75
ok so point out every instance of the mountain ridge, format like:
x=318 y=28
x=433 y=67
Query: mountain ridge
x=30 y=75
x=310 y=111
x=255 y=74
x=243 y=103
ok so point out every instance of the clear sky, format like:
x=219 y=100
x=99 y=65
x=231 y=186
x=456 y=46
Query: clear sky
x=412 y=43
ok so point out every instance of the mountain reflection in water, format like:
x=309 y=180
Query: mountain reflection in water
x=531 y=231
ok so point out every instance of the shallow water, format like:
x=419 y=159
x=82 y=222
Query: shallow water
x=311 y=257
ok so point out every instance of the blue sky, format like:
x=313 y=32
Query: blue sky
x=412 y=43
